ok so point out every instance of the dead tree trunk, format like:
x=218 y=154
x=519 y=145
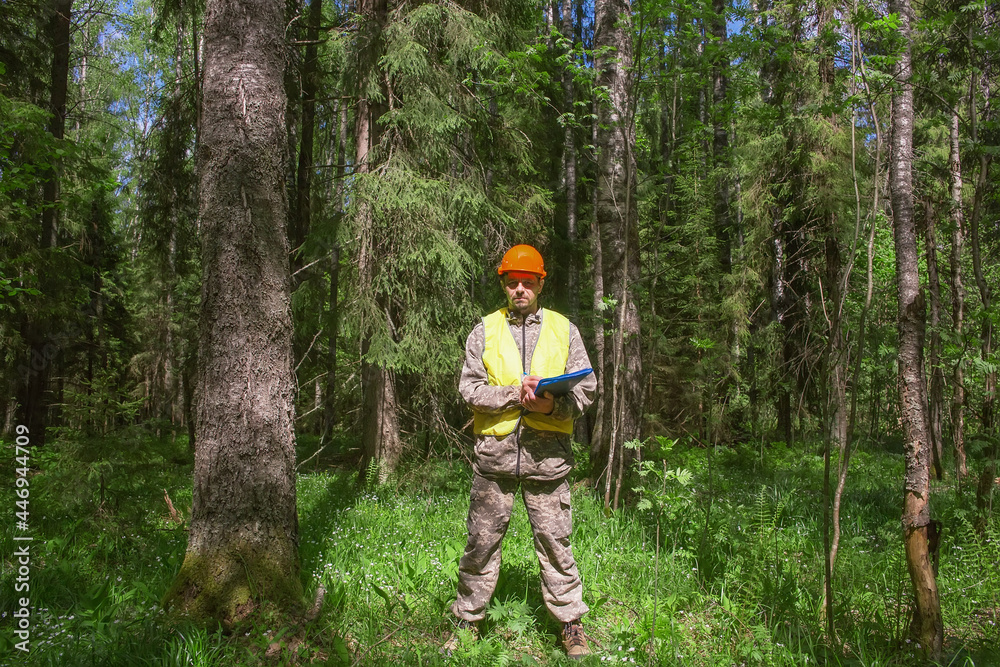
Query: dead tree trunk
x=243 y=543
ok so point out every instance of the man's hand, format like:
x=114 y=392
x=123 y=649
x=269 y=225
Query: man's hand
x=544 y=403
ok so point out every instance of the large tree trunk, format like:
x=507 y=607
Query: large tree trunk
x=243 y=543
x=617 y=221
x=381 y=443
x=957 y=301
x=927 y=622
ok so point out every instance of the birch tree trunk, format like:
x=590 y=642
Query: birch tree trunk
x=927 y=625
x=243 y=542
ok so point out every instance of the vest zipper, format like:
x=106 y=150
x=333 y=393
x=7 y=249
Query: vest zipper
x=524 y=371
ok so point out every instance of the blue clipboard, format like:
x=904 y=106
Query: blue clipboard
x=561 y=384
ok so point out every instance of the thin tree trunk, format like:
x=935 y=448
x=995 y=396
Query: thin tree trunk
x=720 y=136
x=381 y=442
x=836 y=411
x=835 y=362
x=859 y=354
x=985 y=293
x=957 y=301
x=581 y=432
x=927 y=626
x=302 y=220
x=569 y=161
x=243 y=542
x=936 y=398
x=597 y=433
x=340 y=154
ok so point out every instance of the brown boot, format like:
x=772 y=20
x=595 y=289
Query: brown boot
x=455 y=639
x=574 y=640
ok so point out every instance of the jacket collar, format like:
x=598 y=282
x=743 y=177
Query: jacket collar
x=534 y=318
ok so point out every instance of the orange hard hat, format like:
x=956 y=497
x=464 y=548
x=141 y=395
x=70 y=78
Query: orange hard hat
x=522 y=258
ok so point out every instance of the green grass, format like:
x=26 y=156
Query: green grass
x=736 y=583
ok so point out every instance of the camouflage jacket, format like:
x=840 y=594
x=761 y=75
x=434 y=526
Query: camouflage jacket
x=526 y=453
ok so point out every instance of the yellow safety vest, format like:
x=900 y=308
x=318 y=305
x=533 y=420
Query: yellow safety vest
x=504 y=368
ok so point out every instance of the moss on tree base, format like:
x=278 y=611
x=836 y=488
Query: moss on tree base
x=229 y=585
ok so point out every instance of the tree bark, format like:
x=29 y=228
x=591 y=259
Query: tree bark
x=243 y=543
x=617 y=221
x=957 y=302
x=927 y=625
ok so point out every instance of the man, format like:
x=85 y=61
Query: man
x=522 y=439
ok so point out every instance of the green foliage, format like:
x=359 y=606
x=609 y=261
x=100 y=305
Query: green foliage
x=664 y=491
x=388 y=561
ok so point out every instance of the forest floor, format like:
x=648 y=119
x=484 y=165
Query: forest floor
x=736 y=578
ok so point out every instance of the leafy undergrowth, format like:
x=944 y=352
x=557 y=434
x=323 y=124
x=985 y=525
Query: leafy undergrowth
x=736 y=580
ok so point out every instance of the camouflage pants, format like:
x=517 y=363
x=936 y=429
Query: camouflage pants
x=549 y=512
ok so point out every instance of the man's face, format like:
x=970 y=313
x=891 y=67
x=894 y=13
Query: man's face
x=522 y=291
